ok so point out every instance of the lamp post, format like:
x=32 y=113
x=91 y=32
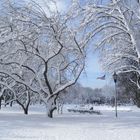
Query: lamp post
x=115 y=81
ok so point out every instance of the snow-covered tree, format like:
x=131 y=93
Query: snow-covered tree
x=115 y=27
x=39 y=51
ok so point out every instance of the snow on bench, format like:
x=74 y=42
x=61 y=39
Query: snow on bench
x=85 y=111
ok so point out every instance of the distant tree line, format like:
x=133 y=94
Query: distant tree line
x=78 y=94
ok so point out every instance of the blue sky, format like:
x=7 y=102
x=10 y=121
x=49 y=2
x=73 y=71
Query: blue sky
x=92 y=71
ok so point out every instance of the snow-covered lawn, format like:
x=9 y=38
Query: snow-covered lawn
x=69 y=126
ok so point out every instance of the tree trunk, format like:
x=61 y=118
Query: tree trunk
x=51 y=106
x=62 y=109
x=25 y=106
x=11 y=103
x=25 y=110
x=0 y=102
x=137 y=99
x=50 y=112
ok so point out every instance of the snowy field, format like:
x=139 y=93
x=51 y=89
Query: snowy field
x=14 y=125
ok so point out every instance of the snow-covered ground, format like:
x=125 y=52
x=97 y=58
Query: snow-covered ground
x=14 y=125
